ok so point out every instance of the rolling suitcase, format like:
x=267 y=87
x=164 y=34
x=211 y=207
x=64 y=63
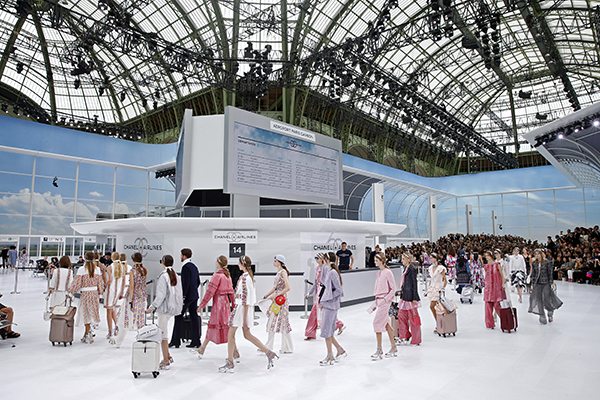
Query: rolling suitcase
x=467 y=294
x=508 y=319
x=145 y=358
x=446 y=323
x=186 y=333
x=62 y=323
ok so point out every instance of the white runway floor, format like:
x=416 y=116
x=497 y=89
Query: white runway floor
x=557 y=361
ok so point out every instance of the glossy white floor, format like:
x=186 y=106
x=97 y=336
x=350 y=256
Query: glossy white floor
x=556 y=361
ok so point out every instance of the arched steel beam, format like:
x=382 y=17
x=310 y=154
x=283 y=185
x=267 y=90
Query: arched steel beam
x=10 y=43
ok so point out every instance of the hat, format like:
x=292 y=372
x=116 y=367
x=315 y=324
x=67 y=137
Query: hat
x=280 y=258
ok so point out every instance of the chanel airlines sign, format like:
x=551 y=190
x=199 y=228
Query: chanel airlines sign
x=235 y=236
x=143 y=245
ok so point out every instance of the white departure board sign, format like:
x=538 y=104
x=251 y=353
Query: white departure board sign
x=267 y=158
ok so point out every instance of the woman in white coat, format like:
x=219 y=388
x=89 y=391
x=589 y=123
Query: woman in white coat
x=167 y=303
x=62 y=278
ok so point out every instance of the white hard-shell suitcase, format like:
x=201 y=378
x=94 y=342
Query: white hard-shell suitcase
x=145 y=358
x=467 y=294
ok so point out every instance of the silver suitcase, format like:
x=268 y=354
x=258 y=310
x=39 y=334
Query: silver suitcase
x=145 y=358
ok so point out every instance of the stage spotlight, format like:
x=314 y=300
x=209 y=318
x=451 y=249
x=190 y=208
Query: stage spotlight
x=561 y=136
x=77 y=83
x=5 y=108
x=55 y=181
x=524 y=95
x=123 y=95
x=596 y=123
x=20 y=67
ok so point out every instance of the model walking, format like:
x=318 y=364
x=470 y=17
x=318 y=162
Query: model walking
x=90 y=285
x=61 y=280
x=330 y=295
x=313 y=319
x=136 y=318
x=518 y=272
x=493 y=292
x=279 y=314
x=168 y=302
x=451 y=264
x=476 y=271
x=242 y=317
x=220 y=291
x=542 y=296
x=110 y=294
x=409 y=321
x=385 y=289
x=438 y=283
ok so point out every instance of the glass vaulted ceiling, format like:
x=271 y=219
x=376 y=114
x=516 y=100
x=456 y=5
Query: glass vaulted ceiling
x=444 y=71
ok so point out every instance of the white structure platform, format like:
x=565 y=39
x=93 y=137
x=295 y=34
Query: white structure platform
x=298 y=239
x=556 y=361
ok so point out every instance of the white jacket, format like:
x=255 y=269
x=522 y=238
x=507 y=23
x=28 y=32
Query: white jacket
x=169 y=299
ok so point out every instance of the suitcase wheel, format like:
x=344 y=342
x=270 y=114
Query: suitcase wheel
x=135 y=374
x=155 y=374
x=52 y=343
x=461 y=301
x=65 y=344
x=444 y=335
x=454 y=334
x=471 y=301
x=70 y=343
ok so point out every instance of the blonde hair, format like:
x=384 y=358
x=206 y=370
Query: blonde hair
x=120 y=269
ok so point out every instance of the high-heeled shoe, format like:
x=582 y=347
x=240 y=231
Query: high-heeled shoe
x=378 y=355
x=391 y=353
x=236 y=356
x=199 y=354
x=340 y=356
x=326 y=362
x=228 y=367
x=550 y=316
x=271 y=355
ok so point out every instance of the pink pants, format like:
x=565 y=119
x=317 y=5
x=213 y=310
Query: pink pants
x=409 y=325
x=313 y=324
x=490 y=306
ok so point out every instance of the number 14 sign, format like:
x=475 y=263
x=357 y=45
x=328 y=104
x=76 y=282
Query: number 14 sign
x=237 y=249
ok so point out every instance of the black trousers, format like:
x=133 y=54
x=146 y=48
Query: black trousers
x=190 y=308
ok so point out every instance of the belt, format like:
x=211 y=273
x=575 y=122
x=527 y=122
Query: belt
x=89 y=289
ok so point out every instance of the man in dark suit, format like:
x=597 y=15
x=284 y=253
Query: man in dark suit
x=190 y=280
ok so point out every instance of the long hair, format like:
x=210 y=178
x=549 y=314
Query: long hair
x=536 y=251
x=223 y=261
x=247 y=263
x=287 y=271
x=90 y=266
x=332 y=258
x=381 y=257
x=137 y=262
x=167 y=261
x=65 y=262
x=119 y=267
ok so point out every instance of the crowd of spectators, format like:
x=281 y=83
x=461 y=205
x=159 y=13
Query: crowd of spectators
x=575 y=254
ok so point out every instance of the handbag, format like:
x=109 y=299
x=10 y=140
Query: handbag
x=149 y=333
x=275 y=309
x=448 y=305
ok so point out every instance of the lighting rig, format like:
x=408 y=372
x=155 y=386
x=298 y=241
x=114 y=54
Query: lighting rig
x=348 y=68
x=567 y=130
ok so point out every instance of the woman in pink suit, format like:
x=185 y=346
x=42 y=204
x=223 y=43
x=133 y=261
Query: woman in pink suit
x=385 y=288
x=220 y=290
x=493 y=292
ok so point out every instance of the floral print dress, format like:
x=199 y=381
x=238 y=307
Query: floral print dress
x=281 y=321
x=136 y=317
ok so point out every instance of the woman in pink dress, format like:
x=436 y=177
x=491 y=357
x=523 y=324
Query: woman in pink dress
x=90 y=285
x=220 y=290
x=385 y=288
x=313 y=319
x=493 y=292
